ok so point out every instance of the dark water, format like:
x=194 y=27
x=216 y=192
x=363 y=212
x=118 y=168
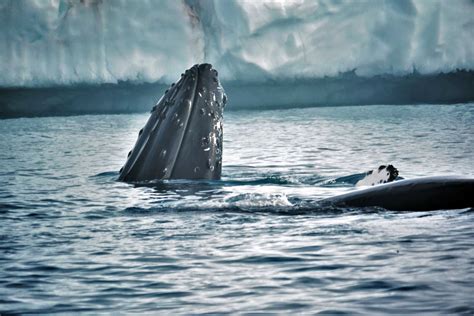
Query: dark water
x=72 y=239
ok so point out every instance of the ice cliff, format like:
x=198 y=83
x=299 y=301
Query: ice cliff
x=62 y=42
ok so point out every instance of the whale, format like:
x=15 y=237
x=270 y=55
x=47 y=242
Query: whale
x=418 y=194
x=182 y=138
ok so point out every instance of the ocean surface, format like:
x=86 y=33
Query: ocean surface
x=73 y=239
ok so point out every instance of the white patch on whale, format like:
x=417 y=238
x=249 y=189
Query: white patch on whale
x=382 y=174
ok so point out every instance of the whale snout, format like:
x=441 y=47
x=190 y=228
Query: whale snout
x=183 y=136
x=209 y=77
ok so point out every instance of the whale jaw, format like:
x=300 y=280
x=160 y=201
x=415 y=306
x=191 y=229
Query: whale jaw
x=182 y=139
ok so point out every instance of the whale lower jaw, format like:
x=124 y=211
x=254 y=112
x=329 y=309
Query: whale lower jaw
x=183 y=136
x=421 y=194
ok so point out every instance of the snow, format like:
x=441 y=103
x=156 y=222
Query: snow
x=64 y=42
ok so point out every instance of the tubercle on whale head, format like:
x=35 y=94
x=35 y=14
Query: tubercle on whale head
x=206 y=73
x=210 y=75
x=183 y=136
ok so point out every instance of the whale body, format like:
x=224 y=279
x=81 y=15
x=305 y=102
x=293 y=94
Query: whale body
x=183 y=136
x=420 y=194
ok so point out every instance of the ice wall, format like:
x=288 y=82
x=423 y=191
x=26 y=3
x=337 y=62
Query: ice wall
x=64 y=42
x=59 y=42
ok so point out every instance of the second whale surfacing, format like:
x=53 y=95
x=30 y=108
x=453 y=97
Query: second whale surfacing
x=183 y=136
x=419 y=194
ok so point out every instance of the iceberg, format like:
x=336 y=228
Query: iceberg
x=323 y=52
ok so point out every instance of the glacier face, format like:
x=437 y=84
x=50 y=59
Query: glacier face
x=64 y=42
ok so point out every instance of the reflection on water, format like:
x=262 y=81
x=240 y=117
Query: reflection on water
x=75 y=240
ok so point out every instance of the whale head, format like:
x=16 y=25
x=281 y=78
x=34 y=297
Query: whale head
x=182 y=139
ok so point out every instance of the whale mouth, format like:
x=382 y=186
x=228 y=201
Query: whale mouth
x=183 y=136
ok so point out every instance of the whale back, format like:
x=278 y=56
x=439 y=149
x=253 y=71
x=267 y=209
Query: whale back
x=421 y=194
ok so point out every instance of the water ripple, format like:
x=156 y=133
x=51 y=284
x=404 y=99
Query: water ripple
x=74 y=240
